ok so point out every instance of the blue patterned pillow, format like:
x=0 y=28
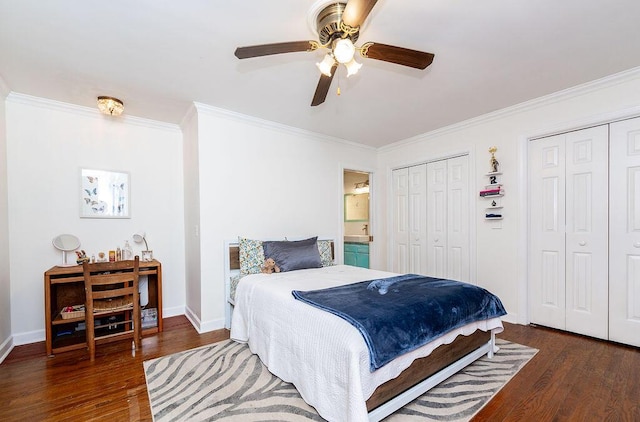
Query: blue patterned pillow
x=233 y=286
x=324 y=247
x=251 y=256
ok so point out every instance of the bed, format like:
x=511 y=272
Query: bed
x=327 y=359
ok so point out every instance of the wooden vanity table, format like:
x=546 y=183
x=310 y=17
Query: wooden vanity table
x=64 y=286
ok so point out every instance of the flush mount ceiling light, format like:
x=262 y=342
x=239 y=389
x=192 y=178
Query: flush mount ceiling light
x=110 y=105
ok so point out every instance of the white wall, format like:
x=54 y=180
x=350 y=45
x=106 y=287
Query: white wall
x=264 y=181
x=501 y=246
x=6 y=342
x=192 y=217
x=47 y=144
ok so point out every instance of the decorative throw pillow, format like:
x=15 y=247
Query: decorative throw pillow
x=324 y=247
x=296 y=255
x=251 y=256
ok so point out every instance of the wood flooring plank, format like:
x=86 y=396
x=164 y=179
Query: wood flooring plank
x=618 y=406
x=571 y=378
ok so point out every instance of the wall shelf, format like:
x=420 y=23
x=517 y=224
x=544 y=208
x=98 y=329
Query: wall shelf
x=493 y=190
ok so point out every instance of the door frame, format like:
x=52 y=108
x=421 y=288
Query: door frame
x=524 y=201
x=373 y=221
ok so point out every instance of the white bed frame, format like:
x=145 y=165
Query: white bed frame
x=400 y=400
x=416 y=391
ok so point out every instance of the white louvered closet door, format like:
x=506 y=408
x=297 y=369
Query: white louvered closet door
x=587 y=231
x=458 y=219
x=546 y=231
x=431 y=211
x=417 y=219
x=400 y=243
x=624 y=267
x=437 y=232
x=568 y=254
x=448 y=219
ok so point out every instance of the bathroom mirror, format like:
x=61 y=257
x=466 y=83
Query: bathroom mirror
x=66 y=243
x=356 y=207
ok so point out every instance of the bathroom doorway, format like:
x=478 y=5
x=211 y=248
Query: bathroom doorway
x=357 y=221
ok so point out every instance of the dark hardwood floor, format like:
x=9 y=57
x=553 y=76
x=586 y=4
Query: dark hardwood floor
x=572 y=378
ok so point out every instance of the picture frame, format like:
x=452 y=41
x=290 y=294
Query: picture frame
x=104 y=194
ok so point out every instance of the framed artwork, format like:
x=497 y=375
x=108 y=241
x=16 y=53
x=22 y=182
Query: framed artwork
x=104 y=194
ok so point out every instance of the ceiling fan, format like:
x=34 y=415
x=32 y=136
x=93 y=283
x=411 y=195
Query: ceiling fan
x=338 y=26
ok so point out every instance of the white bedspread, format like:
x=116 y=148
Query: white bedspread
x=324 y=356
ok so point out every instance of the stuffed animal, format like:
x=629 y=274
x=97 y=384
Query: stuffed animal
x=82 y=257
x=270 y=266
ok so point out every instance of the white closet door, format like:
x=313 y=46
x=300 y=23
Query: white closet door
x=546 y=231
x=437 y=225
x=400 y=244
x=587 y=231
x=458 y=219
x=417 y=219
x=624 y=266
x=568 y=270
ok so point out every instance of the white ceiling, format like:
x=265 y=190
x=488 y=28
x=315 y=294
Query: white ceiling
x=160 y=56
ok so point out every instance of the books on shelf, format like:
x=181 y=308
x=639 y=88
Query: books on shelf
x=492 y=191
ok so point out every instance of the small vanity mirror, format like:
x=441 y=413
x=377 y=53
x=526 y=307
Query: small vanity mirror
x=66 y=243
x=356 y=207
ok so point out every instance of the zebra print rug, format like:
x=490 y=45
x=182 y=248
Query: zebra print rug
x=226 y=382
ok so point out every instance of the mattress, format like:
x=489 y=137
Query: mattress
x=324 y=356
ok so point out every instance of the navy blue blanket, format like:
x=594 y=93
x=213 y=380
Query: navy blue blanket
x=399 y=314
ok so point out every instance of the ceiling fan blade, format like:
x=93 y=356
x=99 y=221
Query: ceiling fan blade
x=357 y=11
x=277 y=48
x=323 y=87
x=397 y=55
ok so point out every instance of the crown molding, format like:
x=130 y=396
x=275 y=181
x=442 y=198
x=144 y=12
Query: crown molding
x=268 y=124
x=192 y=112
x=46 y=103
x=563 y=95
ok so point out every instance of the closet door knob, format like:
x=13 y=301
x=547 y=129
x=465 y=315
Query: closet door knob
x=582 y=243
x=636 y=245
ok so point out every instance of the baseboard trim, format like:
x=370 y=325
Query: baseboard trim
x=203 y=327
x=29 y=337
x=171 y=312
x=6 y=348
x=193 y=318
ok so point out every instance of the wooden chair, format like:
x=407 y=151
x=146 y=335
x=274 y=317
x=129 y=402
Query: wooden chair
x=112 y=291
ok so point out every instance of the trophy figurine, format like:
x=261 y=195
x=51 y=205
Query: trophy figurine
x=494 y=162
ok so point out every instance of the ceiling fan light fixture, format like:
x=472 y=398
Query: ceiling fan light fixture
x=110 y=105
x=352 y=67
x=326 y=64
x=343 y=50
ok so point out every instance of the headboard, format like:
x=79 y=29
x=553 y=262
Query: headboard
x=232 y=269
x=234 y=255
